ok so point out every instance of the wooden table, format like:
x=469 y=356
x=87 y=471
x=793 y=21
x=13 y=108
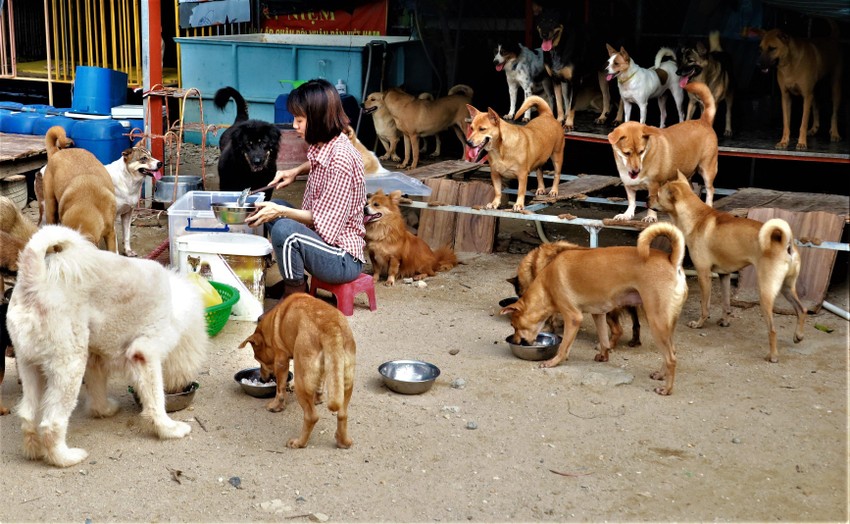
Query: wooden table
x=21 y=153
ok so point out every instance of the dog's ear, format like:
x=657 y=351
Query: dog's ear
x=681 y=177
x=254 y=339
x=701 y=48
x=472 y=111
x=610 y=49
x=624 y=53
x=395 y=196
x=615 y=136
x=493 y=116
x=126 y=153
x=509 y=310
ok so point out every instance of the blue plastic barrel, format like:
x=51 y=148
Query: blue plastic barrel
x=39 y=108
x=281 y=115
x=19 y=122
x=103 y=138
x=12 y=106
x=98 y=89
x=44 y=123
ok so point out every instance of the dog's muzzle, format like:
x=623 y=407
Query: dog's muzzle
x=367 y=110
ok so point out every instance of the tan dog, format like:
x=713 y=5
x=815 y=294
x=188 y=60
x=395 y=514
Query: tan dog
x=371 y=164
x=78 y=191
x=538 y=258
x=62 y=142
x=393 y=249
x=800 y=64
x=385 y=128
x=647 y=156
x=724 y=243
x=317 y=338
x=572 y=284
x=514 y=151
x=15 y=232
x=417 y=117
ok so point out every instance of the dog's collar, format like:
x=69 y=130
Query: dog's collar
x=624 y=80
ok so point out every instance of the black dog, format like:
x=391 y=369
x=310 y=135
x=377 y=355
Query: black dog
x=248 y=148
x=567 y=51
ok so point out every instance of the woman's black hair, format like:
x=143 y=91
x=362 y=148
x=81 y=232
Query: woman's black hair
x=318 y=101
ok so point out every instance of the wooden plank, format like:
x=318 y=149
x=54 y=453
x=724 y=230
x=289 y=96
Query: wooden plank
x=437 y=228
x=579 y=186
x=475 y=234
x=442 y=169
x=816 y=264
x=21 y=153
x=748 y=198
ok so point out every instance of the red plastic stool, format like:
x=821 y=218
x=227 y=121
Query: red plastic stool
x=345 y=293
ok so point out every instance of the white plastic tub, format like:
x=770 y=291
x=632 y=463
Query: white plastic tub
x=237 y=259
x=390 y=182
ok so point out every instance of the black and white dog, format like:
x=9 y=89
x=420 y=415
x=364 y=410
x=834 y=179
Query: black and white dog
x=524 y=69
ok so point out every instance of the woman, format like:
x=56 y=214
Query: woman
x=325 y=236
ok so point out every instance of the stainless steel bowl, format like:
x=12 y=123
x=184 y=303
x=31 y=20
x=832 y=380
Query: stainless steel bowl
x=262 y=391
x=409 y=377
x=173 y=401
x=165 y=191
x=231 y=212
x=544 y=348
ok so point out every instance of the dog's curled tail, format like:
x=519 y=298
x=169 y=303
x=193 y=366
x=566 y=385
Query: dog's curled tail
x=707 y=99
x=664 y=51
x=226 y=93
x=714 y=42
x=56 y=139
x=541 y=105
x=461 y=89
x=775 y=235
x=445 y=259
x=677 y=255
x=335 y=368
x=51 y=256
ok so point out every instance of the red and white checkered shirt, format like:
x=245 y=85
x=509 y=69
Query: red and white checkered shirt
x=336 y=194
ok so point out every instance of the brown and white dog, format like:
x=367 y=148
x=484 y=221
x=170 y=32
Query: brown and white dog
x=15 y=232
x=514 y=151
x=395 y=251
x=800 y=64
x=416 y=117
x=572 y=285
x=638 y=85
x=385 y=128
x=538 y=258
x=647 y=156
x=128 y=174
x=724 y=243
x=317 y=338
x=78 y=191
x=712 y=67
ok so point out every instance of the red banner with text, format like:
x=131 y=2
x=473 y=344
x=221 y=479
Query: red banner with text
x=366 y=19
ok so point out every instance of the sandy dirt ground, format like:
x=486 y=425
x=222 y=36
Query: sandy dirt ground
x=495 y=440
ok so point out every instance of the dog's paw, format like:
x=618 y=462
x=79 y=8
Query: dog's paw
x=802 y=146
x=624 y=216
x=296 y=444
x=782 y=144
x=727 y=133
x=650 y=219
x=343 y=443
x=723 y=322
x=173 y=429
x=66 y=457
x=602 y=356
x=696 y=324
x=601 y=120
x=104 y=409
x=130 y=253
x=509 y=116
x=834 y=137
x=663 y=391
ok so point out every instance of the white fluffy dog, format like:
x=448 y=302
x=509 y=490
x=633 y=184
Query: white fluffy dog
x=77 y=311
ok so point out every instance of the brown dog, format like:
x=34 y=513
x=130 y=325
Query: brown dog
x=385 y=127
x=514 y=151
x=371 y=164
x=393 y=249
x=800 y=64
x=724 y=243
x=62 y=142
x=419 y=117
x=572 y=284
x=713 y=67
x=78 y=191
x=15 y=232
x=647 y=156
x=317 y=338
x=538 y=258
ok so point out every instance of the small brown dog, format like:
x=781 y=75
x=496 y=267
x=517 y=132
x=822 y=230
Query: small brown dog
x=572 y=284
x=724 y=243
x=647 y=156
x=514 y=151
x=393 y=249
x=417 y=117
x=318 y=339
x=371 y=164
x=800 y=64
x=538 y=258
x=78 y=191
x=385 y=127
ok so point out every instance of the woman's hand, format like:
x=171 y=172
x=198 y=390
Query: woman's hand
x=266 y=212
x=284 y=177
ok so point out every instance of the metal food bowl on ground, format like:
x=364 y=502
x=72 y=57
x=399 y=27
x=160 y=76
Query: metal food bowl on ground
x=409 y=377
x=232 y=212
x=173 y=401
x=544 y=348
x=170 y=188
x=253 y=384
